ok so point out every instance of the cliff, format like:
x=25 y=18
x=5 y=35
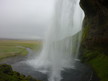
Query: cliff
x=94 y=44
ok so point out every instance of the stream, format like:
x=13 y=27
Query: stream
x=80 y=73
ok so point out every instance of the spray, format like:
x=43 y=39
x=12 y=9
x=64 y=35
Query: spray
x=62 y=42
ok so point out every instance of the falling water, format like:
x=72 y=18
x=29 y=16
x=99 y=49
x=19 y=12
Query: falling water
x=61 y=45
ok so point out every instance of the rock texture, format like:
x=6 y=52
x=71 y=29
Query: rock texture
x=95 y=31
x=94 y=44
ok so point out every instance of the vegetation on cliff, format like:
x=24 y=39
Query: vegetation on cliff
x=7 y=74
x=94 y=45
x=98 y=61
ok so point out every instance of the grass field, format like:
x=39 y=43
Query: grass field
x=10 y=48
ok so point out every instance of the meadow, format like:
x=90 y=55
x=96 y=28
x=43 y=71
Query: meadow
x=11 y=48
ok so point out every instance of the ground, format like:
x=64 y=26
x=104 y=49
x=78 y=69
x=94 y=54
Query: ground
x=7 y=74
x=9 y=48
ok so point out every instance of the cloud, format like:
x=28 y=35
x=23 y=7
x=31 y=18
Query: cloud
x=27 y=17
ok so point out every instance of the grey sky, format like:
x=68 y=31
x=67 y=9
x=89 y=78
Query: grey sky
x=25 y=18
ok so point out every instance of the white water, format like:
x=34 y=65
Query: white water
x=61 y=45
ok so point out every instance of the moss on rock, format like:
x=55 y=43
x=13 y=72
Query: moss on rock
x=7 y=74
x=94 y=43
x=98 y=61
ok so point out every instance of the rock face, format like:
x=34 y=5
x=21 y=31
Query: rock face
x=95 y=31
x=94 y=44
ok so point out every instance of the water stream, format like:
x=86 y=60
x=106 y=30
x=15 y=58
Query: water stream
x=81 y=73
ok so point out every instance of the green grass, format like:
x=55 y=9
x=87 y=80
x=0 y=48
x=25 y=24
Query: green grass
x=8 y=51
x=10 y=48
x=99 y=62
x=7 y=74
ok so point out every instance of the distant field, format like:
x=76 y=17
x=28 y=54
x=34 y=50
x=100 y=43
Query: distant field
x=9 y=48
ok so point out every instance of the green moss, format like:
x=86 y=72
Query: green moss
x=7 y=74
x=99 y=62
x=85 y=32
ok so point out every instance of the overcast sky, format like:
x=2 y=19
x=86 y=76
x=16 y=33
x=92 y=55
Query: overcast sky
x=25 y=18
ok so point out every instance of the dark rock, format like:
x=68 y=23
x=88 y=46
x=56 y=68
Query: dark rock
x=5 y=69
x=95 y=23
x=94 y=44
x=7 y=74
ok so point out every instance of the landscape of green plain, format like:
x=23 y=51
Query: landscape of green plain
x=10 y=48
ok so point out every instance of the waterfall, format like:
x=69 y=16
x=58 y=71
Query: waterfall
x=60 y=49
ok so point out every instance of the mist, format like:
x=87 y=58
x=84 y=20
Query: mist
x=25 y=19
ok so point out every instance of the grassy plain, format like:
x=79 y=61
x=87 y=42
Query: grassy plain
x=10 y=48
